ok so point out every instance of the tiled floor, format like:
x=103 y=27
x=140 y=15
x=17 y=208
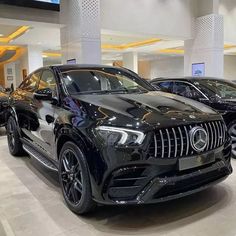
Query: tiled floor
x=31 y=204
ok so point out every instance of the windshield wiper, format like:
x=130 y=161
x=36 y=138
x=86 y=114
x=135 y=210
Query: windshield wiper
x=123 y=90
x=136 y=88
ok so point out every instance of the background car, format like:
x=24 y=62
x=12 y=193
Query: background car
x=216 y=93
x=4 y=96
x=113 y=139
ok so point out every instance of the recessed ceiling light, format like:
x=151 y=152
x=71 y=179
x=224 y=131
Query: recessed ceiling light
x=1 y=35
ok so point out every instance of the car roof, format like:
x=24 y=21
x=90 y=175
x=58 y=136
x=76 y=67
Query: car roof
x=184 y=78
x=63 y=68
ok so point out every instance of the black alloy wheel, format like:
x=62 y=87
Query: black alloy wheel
x=74 y=179
x=13 y=138
x=10 y=135
x=71 y=177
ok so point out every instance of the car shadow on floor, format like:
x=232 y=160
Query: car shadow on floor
x=157 y=218
x=175 y=213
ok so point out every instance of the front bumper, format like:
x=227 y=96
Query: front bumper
x=145 y=183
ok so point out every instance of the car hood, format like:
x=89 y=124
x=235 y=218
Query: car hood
x=152 y=108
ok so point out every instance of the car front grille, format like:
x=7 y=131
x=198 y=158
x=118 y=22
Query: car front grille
x=175 y=142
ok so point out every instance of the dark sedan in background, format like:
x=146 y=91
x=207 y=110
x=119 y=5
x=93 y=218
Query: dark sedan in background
x=218 y=93
x=4 y=96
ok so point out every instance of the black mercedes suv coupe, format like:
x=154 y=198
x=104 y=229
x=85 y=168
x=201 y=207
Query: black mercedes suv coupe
x=217 y=93
x=113 y=139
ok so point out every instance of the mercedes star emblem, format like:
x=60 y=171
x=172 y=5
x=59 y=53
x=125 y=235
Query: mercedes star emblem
x=198 y=138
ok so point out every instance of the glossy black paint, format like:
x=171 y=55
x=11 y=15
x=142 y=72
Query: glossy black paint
x=3 y=107
x=46 y=124
x=226 y=107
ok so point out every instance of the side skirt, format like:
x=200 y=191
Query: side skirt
x=39 y=157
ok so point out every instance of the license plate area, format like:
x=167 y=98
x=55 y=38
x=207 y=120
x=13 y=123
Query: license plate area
x=196 y=161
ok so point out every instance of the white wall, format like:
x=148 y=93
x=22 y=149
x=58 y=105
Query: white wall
x=172 y=18
x=230 y=67
x=171 y=67
x=228 y=10
x=167 y=67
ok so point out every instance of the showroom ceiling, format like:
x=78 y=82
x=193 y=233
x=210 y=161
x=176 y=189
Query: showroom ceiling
x=5 y=30
x=114 y=44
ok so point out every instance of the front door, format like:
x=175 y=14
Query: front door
x=43 y=135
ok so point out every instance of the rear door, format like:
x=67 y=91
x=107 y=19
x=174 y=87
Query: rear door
x=21 y=101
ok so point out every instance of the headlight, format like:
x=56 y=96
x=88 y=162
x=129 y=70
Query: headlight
x=120 y=136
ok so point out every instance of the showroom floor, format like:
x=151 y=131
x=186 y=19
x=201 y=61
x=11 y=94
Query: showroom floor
x=31 y=204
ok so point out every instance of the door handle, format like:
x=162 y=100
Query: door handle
x=32 y=104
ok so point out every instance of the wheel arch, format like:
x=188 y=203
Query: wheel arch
x=229 y=117
x=12 y=112
x=67 y=133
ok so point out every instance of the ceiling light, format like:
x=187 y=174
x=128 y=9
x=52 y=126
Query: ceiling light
x=1 y=35
x=45 y=56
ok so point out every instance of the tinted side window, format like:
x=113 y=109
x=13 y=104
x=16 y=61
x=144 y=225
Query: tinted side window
x=48 y=81
x=186 y=90
x=165 y=86
x=30 y=83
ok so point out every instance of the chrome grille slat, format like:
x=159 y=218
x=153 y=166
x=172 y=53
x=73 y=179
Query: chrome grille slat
x=168 y=137
x=190 y=126
x=211 y=138
x=174 y=142
x=162 y=144
x=222 y=133
x=187 y=138
x=214 y=135
x=208 y=141
x=218 y=134
x=176 y=145
x=181 y=141
x=155 y=142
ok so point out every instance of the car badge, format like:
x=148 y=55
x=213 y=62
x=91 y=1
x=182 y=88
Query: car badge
x=198 y=138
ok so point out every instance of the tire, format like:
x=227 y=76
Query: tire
x=74 y=179
x=13 y=138
x=232 y=132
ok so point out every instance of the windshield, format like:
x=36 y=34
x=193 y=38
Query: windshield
x=88 y=81
x=224 y=89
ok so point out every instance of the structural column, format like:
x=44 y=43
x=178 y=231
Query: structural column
x=34 y=58
x=130 y=61
x=207 y=47
x=81 y=34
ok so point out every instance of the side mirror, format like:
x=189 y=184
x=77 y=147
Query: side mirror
x=8 y=90
x=12 y=88
x=43 y=94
